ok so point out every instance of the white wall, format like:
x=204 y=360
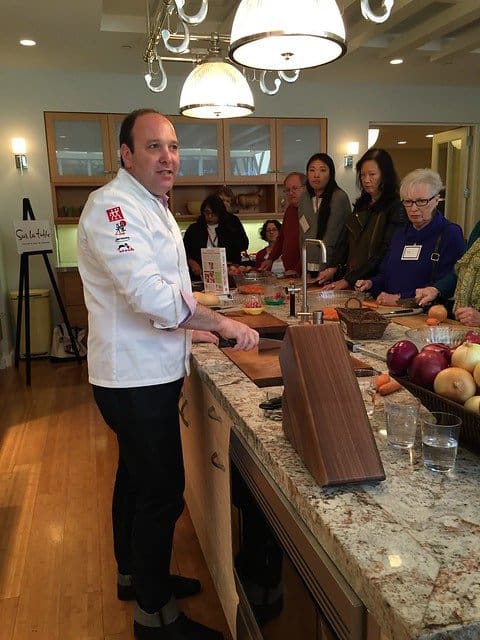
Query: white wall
x=348 y=109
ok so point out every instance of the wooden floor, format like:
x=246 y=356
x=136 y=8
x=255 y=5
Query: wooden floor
x=57 y=463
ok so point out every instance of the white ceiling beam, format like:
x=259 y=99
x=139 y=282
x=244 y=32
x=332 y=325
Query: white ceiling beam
x=365 y=30
x=444 y=22
x=459 y=46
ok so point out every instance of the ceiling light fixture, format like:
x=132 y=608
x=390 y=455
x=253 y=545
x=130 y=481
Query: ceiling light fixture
x=429 y=135
x=27 y=43
x=368 y=14
x=396 y=61
x=273 y=35
x=216 y=89
x=402 y=142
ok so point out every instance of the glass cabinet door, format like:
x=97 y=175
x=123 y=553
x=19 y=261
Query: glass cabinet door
x=78 y=147
x=249 y=150
x=200 y=141
x=297 y=141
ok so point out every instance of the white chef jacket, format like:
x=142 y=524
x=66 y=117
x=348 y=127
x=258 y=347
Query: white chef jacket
x=133 y=267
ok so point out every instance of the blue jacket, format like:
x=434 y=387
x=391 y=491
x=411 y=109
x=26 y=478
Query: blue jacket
x=404 y=276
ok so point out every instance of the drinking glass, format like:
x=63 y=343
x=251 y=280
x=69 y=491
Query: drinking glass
x=402 y=419
x=440 y=433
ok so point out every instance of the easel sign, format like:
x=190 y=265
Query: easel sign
x=215 y=272
x=33 y=236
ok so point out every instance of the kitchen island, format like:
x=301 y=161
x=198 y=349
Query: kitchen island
x=407 y=547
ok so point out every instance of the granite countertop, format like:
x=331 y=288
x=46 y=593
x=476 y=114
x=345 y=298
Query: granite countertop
x=408 y=546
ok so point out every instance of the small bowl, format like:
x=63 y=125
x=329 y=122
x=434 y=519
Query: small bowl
x=253 y=311
x=450 y=336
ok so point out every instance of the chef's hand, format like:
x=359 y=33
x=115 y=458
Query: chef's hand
x=426 y=295
x=246 y=337
x=468 y=316
x=363 y=285
x=204 y=336
x=388 y=299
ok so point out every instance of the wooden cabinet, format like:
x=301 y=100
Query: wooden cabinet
x=205 y=429
x=82 y=155
x=71 y=290
x=251 y=155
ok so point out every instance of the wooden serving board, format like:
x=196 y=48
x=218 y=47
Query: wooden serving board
x=263 y=323
x=263 y=368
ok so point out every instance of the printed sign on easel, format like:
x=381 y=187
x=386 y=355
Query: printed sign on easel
x=33 y=236
x=215 y=272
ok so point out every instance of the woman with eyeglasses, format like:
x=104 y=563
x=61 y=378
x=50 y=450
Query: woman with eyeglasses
x=376 y=215
x=215 y=227
x=423 y=251
x=322 y=210
x=269 y=232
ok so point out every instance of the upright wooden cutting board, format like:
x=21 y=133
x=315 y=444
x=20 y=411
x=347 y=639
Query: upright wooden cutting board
x=324 y=415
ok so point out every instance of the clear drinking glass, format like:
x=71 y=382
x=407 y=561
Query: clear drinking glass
x=402 y=420
x=440 y=433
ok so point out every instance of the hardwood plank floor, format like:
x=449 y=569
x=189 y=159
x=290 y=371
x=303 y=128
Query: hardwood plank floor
x=57 y=464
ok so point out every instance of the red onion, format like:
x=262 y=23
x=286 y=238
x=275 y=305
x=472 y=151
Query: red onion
x=399 y=357
x=439 y=347
x=425 y=366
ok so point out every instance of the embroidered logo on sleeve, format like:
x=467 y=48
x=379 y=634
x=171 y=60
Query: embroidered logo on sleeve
x=114 y=214
x=121 y=228
x=123 y=248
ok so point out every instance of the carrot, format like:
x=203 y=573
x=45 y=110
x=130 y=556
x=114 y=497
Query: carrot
x=329 y=313
x=370 y=304
x=389 y=387
x=380 y=380
x=432 y=322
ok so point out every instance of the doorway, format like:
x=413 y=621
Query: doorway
x=452 y=149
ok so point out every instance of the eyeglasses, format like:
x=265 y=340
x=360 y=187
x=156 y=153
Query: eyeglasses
x=421 y=202
x=292 y=189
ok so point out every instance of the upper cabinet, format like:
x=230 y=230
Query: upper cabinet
x=251 y=155
x=80 y=147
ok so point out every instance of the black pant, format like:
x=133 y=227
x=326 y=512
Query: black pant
x=148 y=493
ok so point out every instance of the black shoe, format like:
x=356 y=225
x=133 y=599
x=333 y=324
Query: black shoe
x=181 y=588
x=181 y=629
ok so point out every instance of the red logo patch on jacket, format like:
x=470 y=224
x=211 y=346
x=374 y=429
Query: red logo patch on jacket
x=115 y=214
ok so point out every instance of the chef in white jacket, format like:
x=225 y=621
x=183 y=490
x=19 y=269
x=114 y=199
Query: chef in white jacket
x=138 y=295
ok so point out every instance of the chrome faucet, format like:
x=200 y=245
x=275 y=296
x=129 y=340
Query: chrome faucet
x=305 y=313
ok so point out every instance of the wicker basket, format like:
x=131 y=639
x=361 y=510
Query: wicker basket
x=470 y=429
x=360 y=323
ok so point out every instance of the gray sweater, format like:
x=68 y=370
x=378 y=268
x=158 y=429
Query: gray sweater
x=340 y=208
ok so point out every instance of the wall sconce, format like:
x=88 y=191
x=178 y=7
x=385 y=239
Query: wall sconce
x=19 y=148
x=352 y=150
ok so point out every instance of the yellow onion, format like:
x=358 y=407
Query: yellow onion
x=455 y=384
x=466 y=356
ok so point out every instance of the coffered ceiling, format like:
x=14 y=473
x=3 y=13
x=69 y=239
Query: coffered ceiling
x=439 y=40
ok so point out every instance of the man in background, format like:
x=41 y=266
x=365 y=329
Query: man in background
x=138 y=295
x=287 y=244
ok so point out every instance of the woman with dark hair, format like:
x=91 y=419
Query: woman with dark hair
x=215 y=227
x=377 y=214
x=269 y=232
x=322 y=210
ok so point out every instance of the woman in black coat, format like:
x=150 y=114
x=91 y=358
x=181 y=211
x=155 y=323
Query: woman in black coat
x=215 y=227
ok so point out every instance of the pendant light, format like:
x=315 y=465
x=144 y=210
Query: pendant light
x=216 y=89
x=286 y=35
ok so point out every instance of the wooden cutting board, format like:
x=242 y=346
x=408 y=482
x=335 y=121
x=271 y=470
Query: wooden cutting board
x=263 y=323
x=263 y=367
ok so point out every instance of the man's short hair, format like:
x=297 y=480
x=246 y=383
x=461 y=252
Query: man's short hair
x=126 y=136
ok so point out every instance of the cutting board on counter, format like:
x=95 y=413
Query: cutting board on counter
x=263 y=323
x=263 y=368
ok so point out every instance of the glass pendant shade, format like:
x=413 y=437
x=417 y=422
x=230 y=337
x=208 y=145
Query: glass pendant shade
x=281 y=35
x=216 y=89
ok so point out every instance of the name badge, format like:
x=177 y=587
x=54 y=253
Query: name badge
x=304 y=224
x=411 y=252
